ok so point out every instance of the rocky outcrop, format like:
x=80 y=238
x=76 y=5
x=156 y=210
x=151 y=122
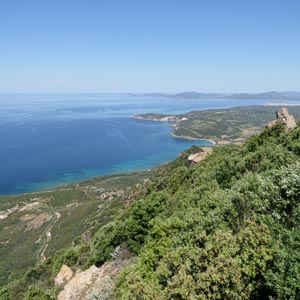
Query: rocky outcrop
x=87 y=282
x=287 y=119
x=197 y=157
x=96 y=283
x=283 y=116
x=65 y=274
x=82 y=280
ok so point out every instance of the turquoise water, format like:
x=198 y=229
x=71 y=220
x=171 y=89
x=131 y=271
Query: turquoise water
x=52 y=139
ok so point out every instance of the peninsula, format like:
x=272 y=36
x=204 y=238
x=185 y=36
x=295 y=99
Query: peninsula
x=222 y=126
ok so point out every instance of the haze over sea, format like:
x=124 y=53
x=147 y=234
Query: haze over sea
x=53 y=139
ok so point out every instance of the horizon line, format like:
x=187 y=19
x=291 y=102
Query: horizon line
x=144 y=93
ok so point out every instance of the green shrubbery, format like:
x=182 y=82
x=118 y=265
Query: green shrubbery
x=227 y=228
x=36 y=293
x=4 y=294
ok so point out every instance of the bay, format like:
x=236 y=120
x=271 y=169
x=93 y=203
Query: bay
x=52 y=139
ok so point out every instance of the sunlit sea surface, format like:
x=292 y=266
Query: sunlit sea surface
x=52 y=139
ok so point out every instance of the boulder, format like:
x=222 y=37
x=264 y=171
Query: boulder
x=197 y=157
x=80 y=282
x=65 y=274
x=96 y=283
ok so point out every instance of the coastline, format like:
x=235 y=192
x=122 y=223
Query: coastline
x=172 y=119
x=193 y=139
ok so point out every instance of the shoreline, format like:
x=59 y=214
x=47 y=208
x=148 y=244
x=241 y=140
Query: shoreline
x=193 y=139
x=167 y=119
x=80 y=184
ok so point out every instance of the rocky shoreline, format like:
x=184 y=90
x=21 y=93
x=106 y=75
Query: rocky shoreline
x=192 y=138
x=160 y=118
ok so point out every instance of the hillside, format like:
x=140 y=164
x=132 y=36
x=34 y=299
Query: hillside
x=36 y=225
x=224 y=126
x=225 y=228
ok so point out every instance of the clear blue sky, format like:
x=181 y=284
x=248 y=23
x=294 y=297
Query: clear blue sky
x=147 y=46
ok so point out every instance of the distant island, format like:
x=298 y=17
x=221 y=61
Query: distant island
x=273 y=95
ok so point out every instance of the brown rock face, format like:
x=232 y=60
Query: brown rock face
x=287 y=119
x=96 y=283
x=197 y=157
x=283 y=116
x=64 y=275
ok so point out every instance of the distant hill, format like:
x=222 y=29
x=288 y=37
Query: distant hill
x=273 y=95
x=196 y=95
x=268 y=96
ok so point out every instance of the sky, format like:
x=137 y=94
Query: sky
x=149 y=46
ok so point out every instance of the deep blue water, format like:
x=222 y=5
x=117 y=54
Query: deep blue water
x=52 y=139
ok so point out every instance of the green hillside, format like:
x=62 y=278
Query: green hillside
x=224 y=126
x=226 y=228
x=69 y=214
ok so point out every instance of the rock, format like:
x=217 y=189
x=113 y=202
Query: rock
x=287 y=119
x=197 y=157
x=91 y=282
x=283 y=116
x=282 y=113
x=96 y=283
x=80 y=282
x=65 y=274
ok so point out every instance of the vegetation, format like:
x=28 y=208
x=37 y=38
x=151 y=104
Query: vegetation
x=224 y=126
x=70 y=214
x=226 y=228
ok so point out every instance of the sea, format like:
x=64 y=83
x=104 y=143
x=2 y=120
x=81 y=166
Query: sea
x=47 y=140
